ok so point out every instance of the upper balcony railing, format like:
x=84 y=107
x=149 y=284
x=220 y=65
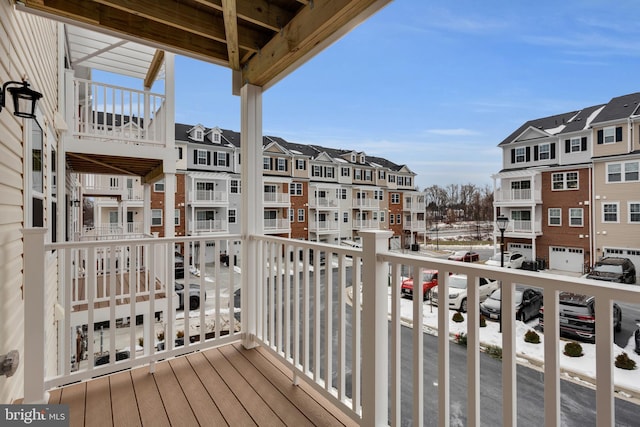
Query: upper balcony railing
x=208 y=196
x=323 y=202
x=366 y=203
x=527 y=195
x=326 y=226
x=365 y=224
x=105 y=112
x=414 y=205
x=131 y=230
x=275 y=198
x=415 y=225
x=211 y=226
x=111 y=185
x=276 y=225
x=334 y=319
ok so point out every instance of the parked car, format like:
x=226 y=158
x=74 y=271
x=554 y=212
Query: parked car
x=458 y=291
x=429 y=280
x=178 y=266
x=465 y=256
x=577 y=316
x=636 y=336
x=103 y=358
x=528 y=303
x=511 y=260
x=614 y=269
x=194 y=296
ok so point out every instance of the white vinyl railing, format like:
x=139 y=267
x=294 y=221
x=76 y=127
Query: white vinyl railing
x=208 y=196
x=331 y=313
x=114 y=113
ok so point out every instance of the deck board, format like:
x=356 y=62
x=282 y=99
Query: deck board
x=224 y=386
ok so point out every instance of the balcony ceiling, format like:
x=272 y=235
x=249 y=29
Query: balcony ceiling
x=263 y=39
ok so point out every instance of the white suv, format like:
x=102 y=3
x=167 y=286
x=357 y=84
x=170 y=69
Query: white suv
x=511 y=260
x=458 y=291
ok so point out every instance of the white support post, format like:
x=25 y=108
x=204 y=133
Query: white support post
x=251 y=220
x=34 y=317
x=169 y=204
x=146 y=209
x=375 y=331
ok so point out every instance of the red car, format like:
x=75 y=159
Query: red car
x=465 y=256
x=429 y=280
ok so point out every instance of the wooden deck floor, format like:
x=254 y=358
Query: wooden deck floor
x=224 y=386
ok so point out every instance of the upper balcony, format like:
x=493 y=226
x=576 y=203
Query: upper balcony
x=208 y=197
x=415 y=225
x=210 y=226
x=210 y=377
x=276 y=225
x=121 y=187
x=276 y=199
x=366 y=204
x=324 y=226
x=324 y=203
x=526 y=196
x=414 y=204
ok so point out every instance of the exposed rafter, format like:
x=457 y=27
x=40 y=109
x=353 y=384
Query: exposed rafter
x=231 y=29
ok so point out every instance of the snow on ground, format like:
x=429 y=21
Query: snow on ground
x=585 y=365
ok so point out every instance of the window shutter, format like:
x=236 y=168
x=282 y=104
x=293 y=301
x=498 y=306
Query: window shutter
x=208 y=157
x=528 y=156
x=195 y=157
x=600 y=136
x=567 y=145
x=553 y=150
x=583 y=143
x=215 y=158
x=535 y=153
x=619 y=134
x=513 y=155
x=226 y=155
x=286 y=164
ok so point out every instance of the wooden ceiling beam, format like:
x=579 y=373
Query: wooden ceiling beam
x=154 y=68
x=310 y=28
x=231 y=30
x=92 y=160
x=186 y=18
x=258 y=12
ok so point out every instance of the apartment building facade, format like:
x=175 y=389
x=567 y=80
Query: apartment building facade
x=569 y=186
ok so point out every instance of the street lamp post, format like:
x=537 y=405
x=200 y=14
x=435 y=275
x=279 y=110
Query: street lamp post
x=502 y=222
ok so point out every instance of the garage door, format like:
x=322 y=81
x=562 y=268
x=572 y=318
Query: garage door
x=523 y=248
x=566 y=259
x=632 y=254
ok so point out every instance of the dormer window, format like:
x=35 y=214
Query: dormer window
x=361 y=158
x=197 y=135
x=353 y=158
x=216 y=137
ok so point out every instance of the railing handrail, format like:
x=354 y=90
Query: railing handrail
x=123 y=88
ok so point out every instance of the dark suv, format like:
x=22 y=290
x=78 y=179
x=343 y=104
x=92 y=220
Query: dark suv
x=577 y=316
x=614 y=269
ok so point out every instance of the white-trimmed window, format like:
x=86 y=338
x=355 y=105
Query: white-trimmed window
x=156 y=217
x=234 y=186
x=266 y=163
x=520 y=155
x=343 y=193
x=35 y=171
x=300 y=215
x=555 y=216
x=575 y=145
x=202 y=157
x=345 y=217
x=623 y=172
x=391 y=178
x=198 y=135
x=301 y=164
x=329 y=172
x=398 y=219
x=158 y=187
x=281 y=164
x=382 y=216
x=345 y=171
x=357 y=173
x=177 y=217
x=367 y=175
x=395 y=198
x=614 y=172
x=232 y=216
x=382 y=174
x=392 y=219
x=564 y=181
x=295 y=189
x=576 y=216
x=610 y=212
x=634 y=212
x=609 y=135
x=544 y=151
x=316 y=171
x=221 y=158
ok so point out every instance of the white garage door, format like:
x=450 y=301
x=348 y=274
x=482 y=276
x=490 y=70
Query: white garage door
x=523 y=248
x=566 y=259
x=632 y=254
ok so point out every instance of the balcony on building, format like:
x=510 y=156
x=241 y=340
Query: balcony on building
x=275 y=195
x=414 y=203
x=518 y=188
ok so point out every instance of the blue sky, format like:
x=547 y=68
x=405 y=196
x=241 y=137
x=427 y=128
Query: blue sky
x=436 y=85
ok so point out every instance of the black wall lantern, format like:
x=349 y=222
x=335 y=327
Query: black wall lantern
x=24 y=99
